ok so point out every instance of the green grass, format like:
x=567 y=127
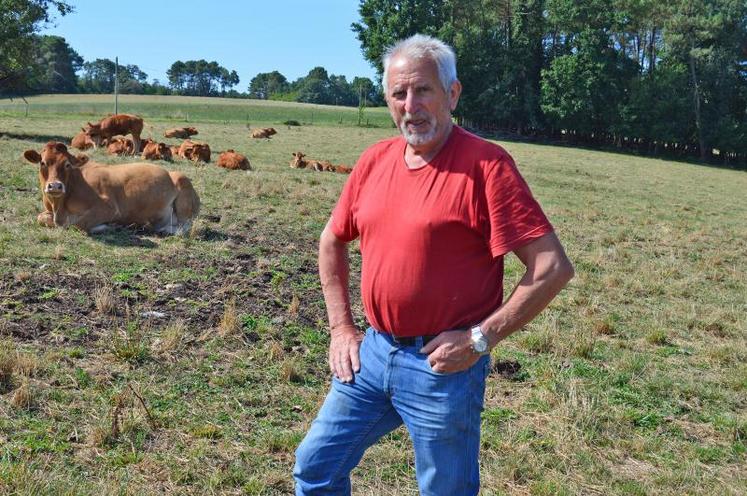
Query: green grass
x=191 y=109
x=634 y=381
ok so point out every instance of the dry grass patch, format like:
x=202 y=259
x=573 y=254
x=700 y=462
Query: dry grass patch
x=7 y=366
x=104 y=300
x=173 y=338
x=229 y=322
x=23 y=397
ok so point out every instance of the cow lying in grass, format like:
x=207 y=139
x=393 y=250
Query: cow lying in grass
x=119 y=145
x=233 y=161
x=156 y=151
x=301 y=162
x=196 y=152
x=180 y=132
x=81 y=141
x=90 y=196
x=263 y=132
x=120 y=124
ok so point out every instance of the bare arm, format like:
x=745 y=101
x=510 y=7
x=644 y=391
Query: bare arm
x=334 y=270
x=548 y=270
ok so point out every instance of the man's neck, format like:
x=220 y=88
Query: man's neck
x=418 y=157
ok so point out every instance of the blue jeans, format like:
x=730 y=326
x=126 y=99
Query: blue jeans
x=396 y=385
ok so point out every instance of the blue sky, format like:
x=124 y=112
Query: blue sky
x=291 y=36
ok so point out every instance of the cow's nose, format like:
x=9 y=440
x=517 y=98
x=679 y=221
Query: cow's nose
x=55 y=187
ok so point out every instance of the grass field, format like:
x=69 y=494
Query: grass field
x=137 y=364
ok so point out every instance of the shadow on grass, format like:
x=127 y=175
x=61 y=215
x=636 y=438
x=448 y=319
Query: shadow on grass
x=39 y=138
x=540 y=141
x=210 y=234
x=124 y=238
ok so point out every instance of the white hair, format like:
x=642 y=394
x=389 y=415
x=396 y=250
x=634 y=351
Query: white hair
x=420 y=46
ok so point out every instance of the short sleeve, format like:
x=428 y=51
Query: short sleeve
x=344 y=224
x=514 y=216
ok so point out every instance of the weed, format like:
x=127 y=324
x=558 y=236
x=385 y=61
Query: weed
x=229 y=323
x=7 y=365
x=290 y=371
x=658 y=337
x=103 y=298
x=129 y=343
x=23 y=398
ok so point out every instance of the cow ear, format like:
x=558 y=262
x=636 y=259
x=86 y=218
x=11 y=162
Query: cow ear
x=80 y=160
x=60 y=147
x=32 y=156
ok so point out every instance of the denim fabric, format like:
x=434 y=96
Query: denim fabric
x=396 y=385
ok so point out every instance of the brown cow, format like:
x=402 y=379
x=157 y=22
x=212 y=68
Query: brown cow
x=180 y=132
x=156 y=151
x=301 y=162
x=234 y=161
x=263 y=132
x=191 y=150
x=89 y=196
x=81 y=141
x=122 y=124
x=120 y=146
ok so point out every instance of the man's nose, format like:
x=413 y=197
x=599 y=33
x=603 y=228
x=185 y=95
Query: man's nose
x=411 y=102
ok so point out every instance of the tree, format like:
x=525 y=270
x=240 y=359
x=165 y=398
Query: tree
x=55 y=66
x=19 y=21
x=200 y=77
x=315 y=87
x=385 y=21
x=266 y=84
x=98 y=76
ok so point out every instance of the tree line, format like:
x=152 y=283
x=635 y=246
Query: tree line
x=658 y=77
x=34 y=63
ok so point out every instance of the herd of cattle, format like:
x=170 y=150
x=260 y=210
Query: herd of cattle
x=79 y=192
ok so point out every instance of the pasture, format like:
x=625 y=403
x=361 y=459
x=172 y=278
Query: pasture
x=137 y=364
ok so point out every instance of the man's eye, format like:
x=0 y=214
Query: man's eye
x=398 y=94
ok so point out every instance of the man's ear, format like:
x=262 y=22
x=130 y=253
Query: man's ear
x=32 y=156
x=81 y=159
x=454 y=92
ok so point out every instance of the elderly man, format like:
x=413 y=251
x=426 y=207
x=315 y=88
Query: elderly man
x=436 y=209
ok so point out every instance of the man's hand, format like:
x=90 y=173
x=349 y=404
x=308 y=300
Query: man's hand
x=343 y=352
x=451 y=351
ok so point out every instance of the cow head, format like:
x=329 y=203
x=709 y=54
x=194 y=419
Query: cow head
x=298 y=161
x=55 y=168
x=164 y=152
x=93 y=131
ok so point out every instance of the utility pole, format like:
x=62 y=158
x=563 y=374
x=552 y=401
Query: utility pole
x=116 y=85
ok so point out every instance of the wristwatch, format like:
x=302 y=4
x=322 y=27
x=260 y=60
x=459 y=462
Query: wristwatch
x=480 y=343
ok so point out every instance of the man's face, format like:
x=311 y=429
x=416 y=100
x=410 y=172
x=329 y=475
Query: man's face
x=420 y=107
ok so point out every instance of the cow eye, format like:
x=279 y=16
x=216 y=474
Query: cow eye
x=42 y=163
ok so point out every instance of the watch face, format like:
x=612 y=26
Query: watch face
x=480 y=346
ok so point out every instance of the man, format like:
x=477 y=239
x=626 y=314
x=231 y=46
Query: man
x=436 y=210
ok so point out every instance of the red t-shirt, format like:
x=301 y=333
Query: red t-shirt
x=433 y=239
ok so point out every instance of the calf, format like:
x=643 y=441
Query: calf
x=180 y=132
x=89 y=196
x=156 y=151
x=109 y=127
x=196 y=152
x=234 y=161
x=81 y=141
x=264 y=132
x=301 y=162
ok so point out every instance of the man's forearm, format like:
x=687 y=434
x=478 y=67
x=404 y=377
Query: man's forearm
x=535 y=291
x=334 y=271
